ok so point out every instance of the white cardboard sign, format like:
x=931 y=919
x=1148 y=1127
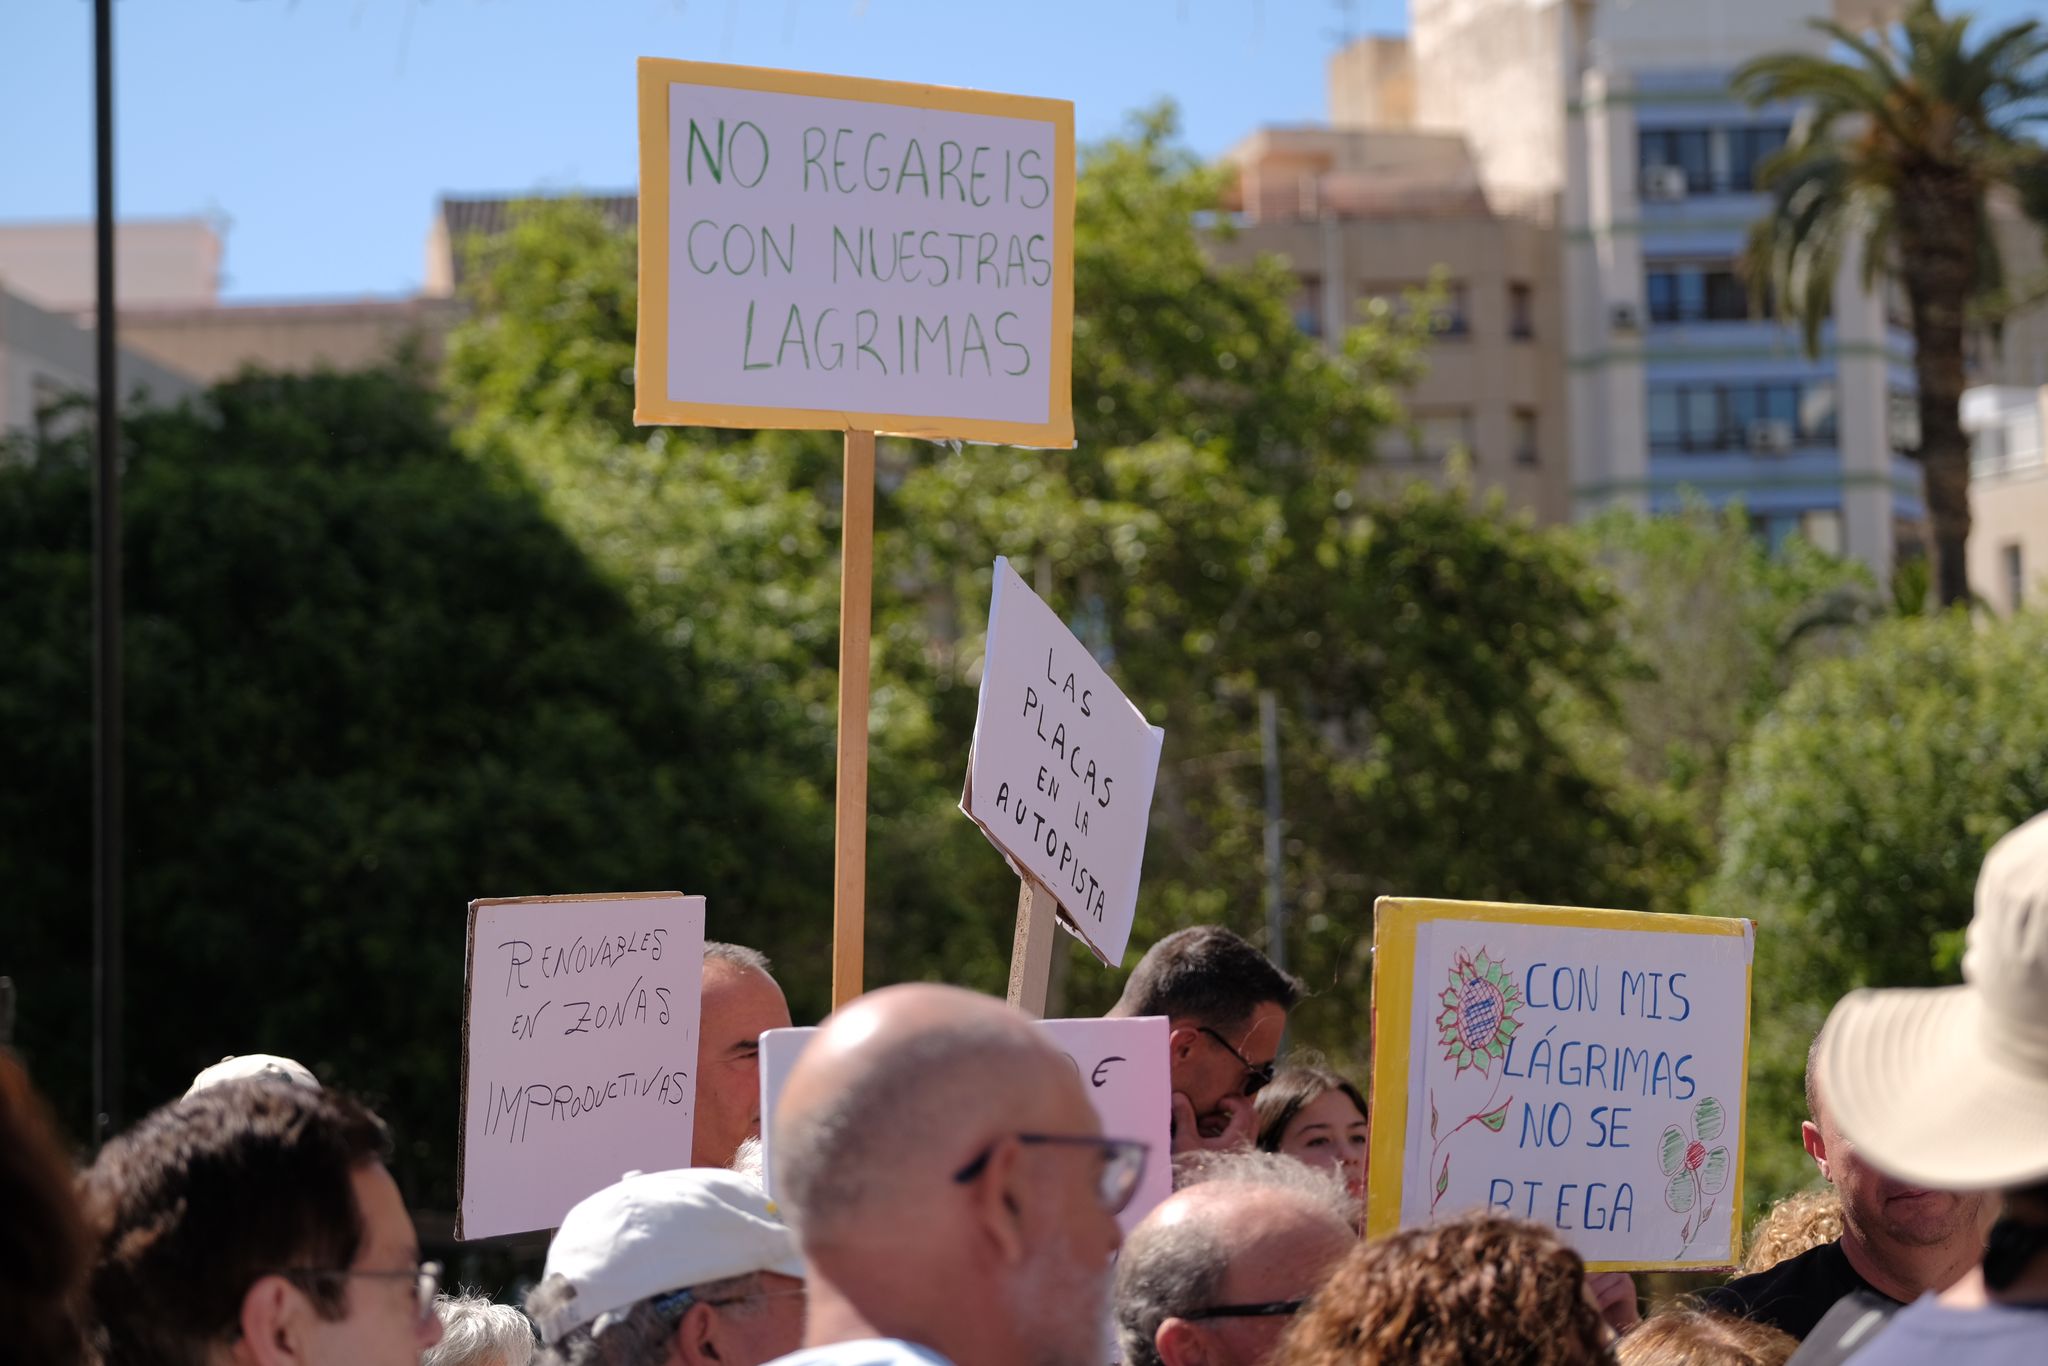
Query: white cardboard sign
x=823 y=251
x=1582 y=1069
x=579 y=1051
x=1122 y=1064
x=1061 y=772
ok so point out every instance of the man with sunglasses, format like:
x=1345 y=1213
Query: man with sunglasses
x=1215 y=1274
x=1227 y=1007
x=690 y=1267
x=253 y=1223
x=951 y=1188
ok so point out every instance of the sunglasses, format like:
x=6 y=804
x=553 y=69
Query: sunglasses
x=1123 y=1164
x=1271 y=1309
x=1256 y=1074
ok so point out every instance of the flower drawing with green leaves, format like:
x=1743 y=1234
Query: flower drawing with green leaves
x=1479 y=1013
x=1693 y=1172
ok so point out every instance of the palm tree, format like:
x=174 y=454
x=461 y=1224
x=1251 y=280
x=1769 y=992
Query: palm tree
x=1911 y=128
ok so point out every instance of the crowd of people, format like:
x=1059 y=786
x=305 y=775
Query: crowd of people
x=946 y=1197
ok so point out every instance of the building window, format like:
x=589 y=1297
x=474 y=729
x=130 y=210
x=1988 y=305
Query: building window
x=1687 y=149
x=1521 y=311
x=1902 y=420
x=1714 y=160
x=1308 y=306
x=1692 y=291
x=1430 y=437
x=2015 y=575
x=1766 y=418
x=1525 y=437
x=1749 y=149
x=1452 y=317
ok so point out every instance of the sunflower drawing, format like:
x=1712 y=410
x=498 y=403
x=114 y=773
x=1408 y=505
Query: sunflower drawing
x=1479 y=1013
x=1693 y=1172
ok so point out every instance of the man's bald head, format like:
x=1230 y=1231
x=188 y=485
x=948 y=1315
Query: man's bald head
x=898 y=1084
x=1258 y=1228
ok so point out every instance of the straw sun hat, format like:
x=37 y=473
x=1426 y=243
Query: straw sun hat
x=1948 y=1087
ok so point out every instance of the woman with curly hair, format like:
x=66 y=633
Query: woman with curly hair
x=1478 y=1290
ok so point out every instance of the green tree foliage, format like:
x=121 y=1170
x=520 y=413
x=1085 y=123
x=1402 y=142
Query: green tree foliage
x=368 y=680
x=1714 y=624
x=1860 y=810
x=1208 y=537
x=1911 y=129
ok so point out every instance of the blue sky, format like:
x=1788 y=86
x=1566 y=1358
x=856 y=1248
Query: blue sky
x=323 y=130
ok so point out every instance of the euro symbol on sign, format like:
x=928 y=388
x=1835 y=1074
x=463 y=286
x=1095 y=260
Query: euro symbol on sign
x=1099 y=1079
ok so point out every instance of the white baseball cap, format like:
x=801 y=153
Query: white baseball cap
x=655 y=1232
x=237 y=1067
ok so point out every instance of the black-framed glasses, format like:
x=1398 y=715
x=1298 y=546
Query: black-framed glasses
x=1256 y=1074
x=426 y=1279
x=1123 y=1164
x=1271 y=1309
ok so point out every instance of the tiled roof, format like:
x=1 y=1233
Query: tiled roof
x=463 y=215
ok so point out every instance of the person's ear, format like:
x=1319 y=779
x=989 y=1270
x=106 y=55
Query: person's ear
x=275 y=1316
x=1181 y=1343
x=695 y=1342
x=1180 y=1044
x=1816 y=1145
x=1000 y=1197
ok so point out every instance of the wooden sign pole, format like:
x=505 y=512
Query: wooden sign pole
x=850 y=805
x=1031 y=951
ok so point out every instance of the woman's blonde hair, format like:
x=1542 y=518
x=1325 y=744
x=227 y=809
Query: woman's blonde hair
x=1798 y=1223
x=1699 y=1337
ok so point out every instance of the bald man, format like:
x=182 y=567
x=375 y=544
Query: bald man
x=1214 y=1276
x=951 y=1188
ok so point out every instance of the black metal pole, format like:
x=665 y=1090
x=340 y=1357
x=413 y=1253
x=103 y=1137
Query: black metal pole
x=106 y=616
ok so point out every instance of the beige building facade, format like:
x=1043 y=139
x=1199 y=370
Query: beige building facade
x=1366 y=214
x=2008 y=555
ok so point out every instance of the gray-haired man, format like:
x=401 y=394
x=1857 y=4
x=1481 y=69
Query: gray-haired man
x=689 y=1266
x=1213 y=1276
x=740 y=1002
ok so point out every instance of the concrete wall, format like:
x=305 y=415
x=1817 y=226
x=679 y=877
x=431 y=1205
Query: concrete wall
x=2009 y=496
x=44 y=355
x=173 y=261
x=1497 y=72
x=214 y=343
x=1372 y=84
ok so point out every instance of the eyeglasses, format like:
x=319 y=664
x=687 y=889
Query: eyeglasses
x=1123 y=1164
x=676 y=1302
x=426 y=1279
x=1256 y=1074
x=1272 y=1309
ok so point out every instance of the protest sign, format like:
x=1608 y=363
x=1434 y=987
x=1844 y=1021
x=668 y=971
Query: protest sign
x=860 y=256
x=579 y=1051
x=1061 y=770
x=1584 y=1069
x=1122 y=1064
x=826 y=252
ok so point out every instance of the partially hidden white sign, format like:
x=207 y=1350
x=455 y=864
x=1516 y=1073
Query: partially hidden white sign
x=1061 y=772
x=579 y=1051
x=1122 y=1065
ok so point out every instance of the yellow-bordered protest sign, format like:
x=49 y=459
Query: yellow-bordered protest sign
x=828 y=252
x=1582 y=1068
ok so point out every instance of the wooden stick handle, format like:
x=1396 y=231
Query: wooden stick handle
x=850 y=807
x=1031 y=952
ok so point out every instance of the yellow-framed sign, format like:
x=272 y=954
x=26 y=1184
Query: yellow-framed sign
x=1581 y=1068
x=833 y=253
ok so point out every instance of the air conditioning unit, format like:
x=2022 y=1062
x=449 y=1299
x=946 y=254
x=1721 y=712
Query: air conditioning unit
x=1664 y=184
x=1625 y=317
x=1770 y=436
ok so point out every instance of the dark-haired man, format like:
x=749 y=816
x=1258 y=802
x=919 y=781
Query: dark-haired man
x=254 y=1224
x=1227 y=1008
